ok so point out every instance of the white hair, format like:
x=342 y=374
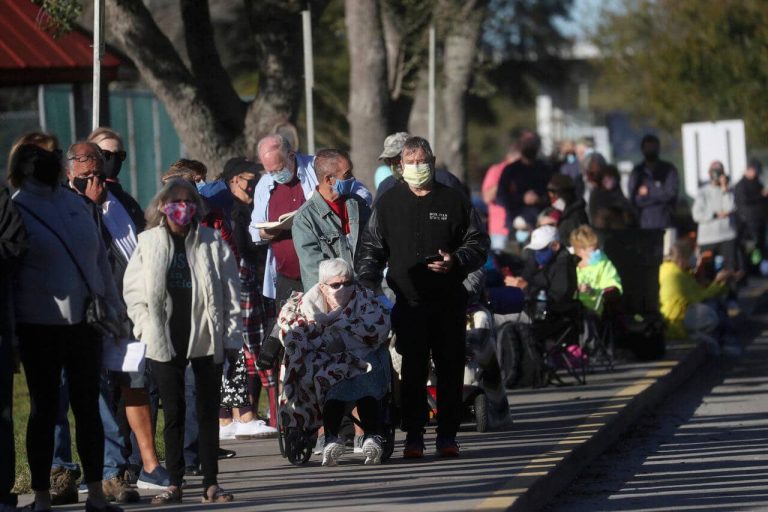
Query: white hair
x=277 y=140
x=334 y=267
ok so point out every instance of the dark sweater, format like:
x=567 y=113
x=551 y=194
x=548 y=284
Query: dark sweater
x=405 y=228
x=557 y=278
x=750 y=203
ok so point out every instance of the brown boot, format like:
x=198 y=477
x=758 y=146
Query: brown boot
x=116 y=489
x=63 y=486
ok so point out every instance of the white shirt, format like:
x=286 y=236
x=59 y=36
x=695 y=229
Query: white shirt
x=119 y=225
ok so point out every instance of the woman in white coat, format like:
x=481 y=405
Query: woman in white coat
x=181 y=289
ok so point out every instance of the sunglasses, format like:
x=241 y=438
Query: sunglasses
x=342 y=284
x=120 y=155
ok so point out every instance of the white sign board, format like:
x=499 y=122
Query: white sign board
x=705 y=142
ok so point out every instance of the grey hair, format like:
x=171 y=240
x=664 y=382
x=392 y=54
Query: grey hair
x=414 y=143
x=282 y=142
x=325 y=161
x=334 y=267
x=71 y=153
x=154 y=216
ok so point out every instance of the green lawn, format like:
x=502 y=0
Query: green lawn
x=20 y=415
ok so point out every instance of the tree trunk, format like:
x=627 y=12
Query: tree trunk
x=198 y=124
x=462 y=37
x=369 y=92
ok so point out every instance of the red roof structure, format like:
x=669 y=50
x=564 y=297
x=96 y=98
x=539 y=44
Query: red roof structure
x=29 y=55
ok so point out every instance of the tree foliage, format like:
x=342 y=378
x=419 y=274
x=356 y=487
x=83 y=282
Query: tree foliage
x=682 y=61
x=59 y=16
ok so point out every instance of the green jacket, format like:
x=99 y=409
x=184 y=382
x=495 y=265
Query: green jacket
x=599 y=276
x=317 y=234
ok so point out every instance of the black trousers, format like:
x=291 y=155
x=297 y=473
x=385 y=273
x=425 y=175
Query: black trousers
x=367 y=408
x=439 y=329
x=45 y=350
x=729 y=252
x=7 y=447
x=169 y=378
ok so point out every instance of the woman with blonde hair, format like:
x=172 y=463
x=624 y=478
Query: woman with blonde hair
x=594 y=271
x=182 y=292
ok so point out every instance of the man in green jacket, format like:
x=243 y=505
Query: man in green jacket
x=329 y=224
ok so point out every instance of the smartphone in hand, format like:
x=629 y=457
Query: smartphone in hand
x=433 y=259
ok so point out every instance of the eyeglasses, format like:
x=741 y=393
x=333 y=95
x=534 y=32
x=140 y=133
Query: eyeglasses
x=84 y=158
x=120 y=155
x=342 y=284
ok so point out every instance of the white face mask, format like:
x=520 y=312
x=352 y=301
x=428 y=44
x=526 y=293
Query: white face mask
x=340 y=297
x=559 y=204
x=417 y=175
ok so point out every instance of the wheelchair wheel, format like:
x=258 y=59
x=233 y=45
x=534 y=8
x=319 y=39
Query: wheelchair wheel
x=481 y=412
x=298 y=446
x=388 y=444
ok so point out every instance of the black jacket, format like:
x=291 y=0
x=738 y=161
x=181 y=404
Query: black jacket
x=750 y=203
x=574 y=215
x=13 y=245
x=518 y=178
x=250 y=253
x=404 y=229
x=557 y=279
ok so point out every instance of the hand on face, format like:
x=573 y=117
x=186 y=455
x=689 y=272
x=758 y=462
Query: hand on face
x=86 y=174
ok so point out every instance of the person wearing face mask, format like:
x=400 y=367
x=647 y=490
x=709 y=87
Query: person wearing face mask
x=336 y=335
x=562 y=195
x=66 y=264
x=522 y=186
x=329 y=224
x=751 y=207
x=424 y=232
x=714 y=210
x=608 y=207
x=653 y=187
x=594 y=272
x=289 y=180
x=182 y=293
x=241 y=386
x=111 y=145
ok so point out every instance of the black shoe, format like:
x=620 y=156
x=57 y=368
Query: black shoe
x=107 y=508
x=226 y=454
x=193 y=470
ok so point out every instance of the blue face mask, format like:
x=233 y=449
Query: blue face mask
x=282 y=176
x=344 y=187
x=199 y=185
x=522 y=236
x=595 y=257
x=544 y=256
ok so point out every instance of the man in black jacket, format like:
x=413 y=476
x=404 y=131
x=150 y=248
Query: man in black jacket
x=423 y=231
x=13 y=244
x=752 y=205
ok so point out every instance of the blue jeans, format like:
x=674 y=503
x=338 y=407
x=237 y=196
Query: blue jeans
x=114 y=461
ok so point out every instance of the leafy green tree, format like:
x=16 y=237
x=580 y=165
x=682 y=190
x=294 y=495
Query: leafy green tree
x=680 y=61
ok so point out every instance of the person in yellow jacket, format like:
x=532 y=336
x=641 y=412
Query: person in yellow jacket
x=682 y=297
x=594 y=272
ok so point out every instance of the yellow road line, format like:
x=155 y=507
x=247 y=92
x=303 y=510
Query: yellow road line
x=505 y=496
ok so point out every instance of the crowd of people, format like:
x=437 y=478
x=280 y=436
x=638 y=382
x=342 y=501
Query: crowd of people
x=293 y=244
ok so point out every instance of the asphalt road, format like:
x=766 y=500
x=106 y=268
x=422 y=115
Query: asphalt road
x=705 y=448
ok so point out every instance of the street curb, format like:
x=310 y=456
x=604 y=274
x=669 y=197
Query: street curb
x=545 y=488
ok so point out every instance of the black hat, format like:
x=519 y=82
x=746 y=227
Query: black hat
x=560 y=183
x=239 y=165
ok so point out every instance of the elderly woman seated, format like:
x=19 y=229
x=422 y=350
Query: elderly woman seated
x=335 y=338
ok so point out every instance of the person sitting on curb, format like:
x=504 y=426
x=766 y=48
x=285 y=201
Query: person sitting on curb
x=691 y=309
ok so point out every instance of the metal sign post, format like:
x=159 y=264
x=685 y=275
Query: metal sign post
x=309 y=79
x=98 y=53
x=431 y=129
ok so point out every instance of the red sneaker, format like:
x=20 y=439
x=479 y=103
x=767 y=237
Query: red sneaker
x=414 y=446
x=447 y=446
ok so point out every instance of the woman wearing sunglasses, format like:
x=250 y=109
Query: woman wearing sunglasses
x=182 y=292
x=335 y=352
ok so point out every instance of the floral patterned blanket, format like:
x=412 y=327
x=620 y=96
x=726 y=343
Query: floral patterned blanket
x=306 y=330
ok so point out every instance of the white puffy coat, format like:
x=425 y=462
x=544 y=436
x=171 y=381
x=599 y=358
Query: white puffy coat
x=215 y=321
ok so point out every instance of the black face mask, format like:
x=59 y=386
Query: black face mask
x=250 y=187
x=80 y=184
x=530 y=153
x=651 y=156
x=112 y=168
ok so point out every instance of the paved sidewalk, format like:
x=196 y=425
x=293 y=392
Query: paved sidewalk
x=557 y=431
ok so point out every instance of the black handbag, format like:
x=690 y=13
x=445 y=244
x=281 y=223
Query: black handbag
x=98 y=314
x=270 y=350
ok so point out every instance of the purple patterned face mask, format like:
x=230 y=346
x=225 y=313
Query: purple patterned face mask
x=180 y=212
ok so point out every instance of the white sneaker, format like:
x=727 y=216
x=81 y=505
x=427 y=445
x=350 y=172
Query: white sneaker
x=372 y=450
x=332 y=453
x=227 y=431
x=245 y=430
x=358 y=444
x=263 y=430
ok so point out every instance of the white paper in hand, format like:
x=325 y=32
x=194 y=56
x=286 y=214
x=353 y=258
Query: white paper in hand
x=126 y=356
